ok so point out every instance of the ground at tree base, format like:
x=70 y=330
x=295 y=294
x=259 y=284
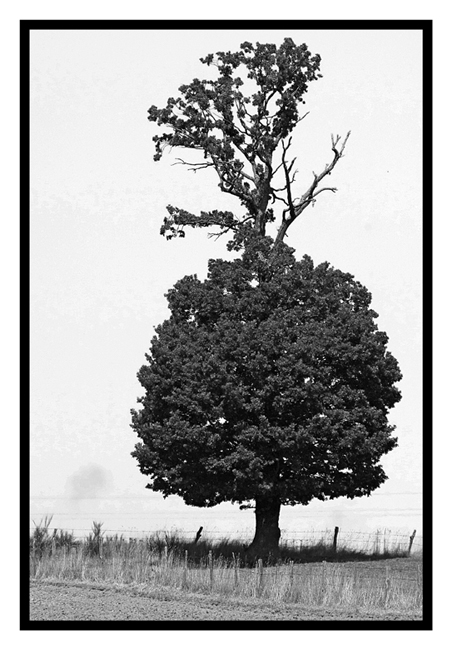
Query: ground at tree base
x=58 y=601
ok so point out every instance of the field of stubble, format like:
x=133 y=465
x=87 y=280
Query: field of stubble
x=53 y=600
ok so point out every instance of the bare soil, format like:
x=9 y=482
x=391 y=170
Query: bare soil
x=56 y=601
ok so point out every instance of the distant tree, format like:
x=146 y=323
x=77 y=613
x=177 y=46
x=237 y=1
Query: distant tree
x=241 y=124
x=269 y=384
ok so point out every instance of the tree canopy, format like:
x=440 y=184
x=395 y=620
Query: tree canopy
x=241 y=123
x=270 y=381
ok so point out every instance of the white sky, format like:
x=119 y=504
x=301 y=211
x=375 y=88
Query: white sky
x=99 y=267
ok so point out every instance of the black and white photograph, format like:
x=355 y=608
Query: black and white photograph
x=227 y=232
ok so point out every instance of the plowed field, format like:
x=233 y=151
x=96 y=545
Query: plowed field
x=92 y=602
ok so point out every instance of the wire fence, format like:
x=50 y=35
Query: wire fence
x=359 y=584
x=376 y=540
x=230 y=532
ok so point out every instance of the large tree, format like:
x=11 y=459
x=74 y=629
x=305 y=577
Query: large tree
x=270 y=383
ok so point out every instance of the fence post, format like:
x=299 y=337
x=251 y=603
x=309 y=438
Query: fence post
x=260 y=565
x=291 y=575
x=184 y=575
x=259 y=576
x=419 y=576
x=211 y=569
x=387 y=586
x=336 y=532
x=79 y=558
x=236 y=574
x=72 y=560
x=419 y=592
x=323 y=587
x=165 y=556
x=411 y=541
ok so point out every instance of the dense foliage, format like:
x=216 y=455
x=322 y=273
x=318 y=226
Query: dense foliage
x=270 y=378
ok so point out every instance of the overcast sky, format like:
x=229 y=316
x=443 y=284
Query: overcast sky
x=99 y=268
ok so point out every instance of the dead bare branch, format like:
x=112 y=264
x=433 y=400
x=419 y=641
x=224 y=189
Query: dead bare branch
x=295 y=209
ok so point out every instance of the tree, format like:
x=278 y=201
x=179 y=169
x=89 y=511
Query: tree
x=269 y=383
x=240 y=136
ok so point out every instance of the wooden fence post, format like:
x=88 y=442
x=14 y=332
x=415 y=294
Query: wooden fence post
x=291 y=574
x=419 y=591
x=211 y=569
x=165 y=556
x=419 y=576
x=72 y=560
x=387 y=586
x=184 y=575
x=411 y=541
x=323 y=587
x=236 y=574
x=259 y=576
x=336 y=532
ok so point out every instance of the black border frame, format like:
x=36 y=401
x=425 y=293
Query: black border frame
x=26 y=26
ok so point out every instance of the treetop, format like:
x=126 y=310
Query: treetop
x=240 y=122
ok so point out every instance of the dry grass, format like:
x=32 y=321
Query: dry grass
x=166 y=561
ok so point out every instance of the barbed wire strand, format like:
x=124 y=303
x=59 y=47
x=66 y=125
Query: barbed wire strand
x=374 y=537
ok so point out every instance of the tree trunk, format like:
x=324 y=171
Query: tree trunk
x=265 y=544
